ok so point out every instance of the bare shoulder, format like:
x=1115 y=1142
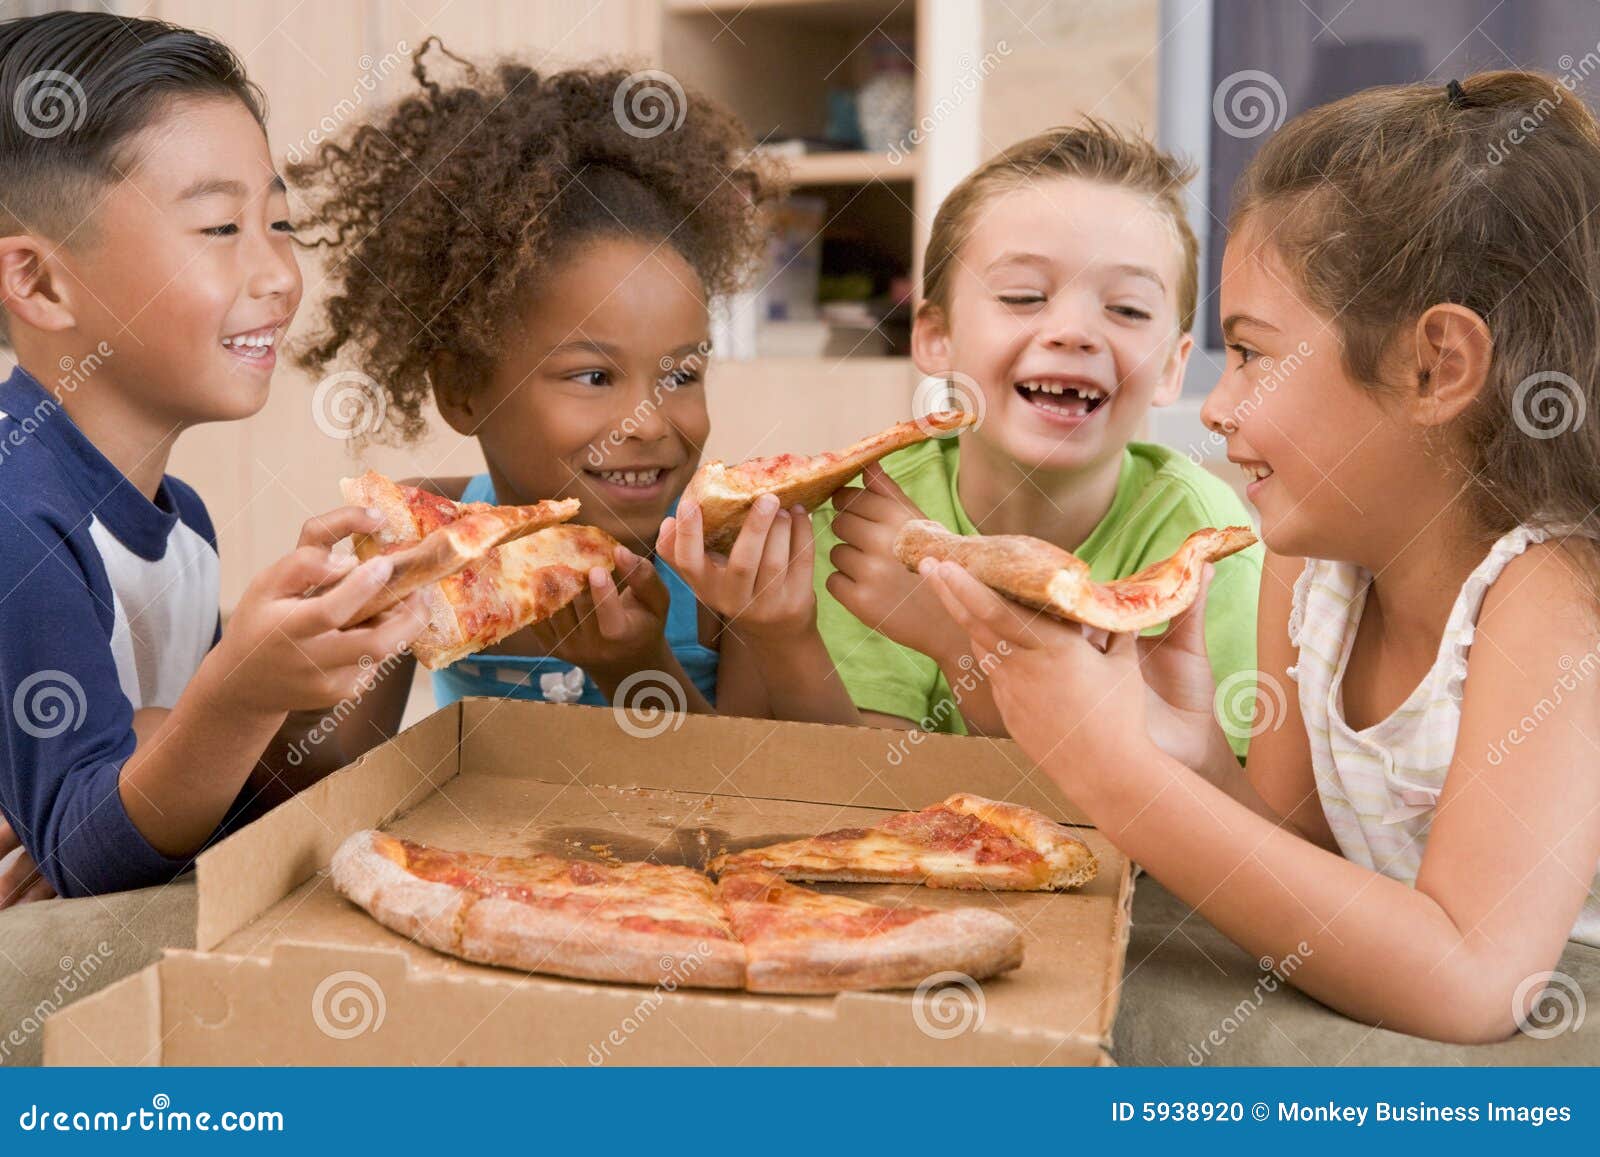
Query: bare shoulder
x=451 y=488
x=1546 y=600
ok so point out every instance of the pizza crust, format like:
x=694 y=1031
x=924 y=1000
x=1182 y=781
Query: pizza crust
x=1041 y=575
x=368 y=869
x=973 y=941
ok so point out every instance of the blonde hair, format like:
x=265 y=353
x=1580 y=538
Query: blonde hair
x=1092 y=151
x=1482 y=194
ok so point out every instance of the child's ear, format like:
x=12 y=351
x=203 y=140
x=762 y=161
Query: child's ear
x=452 y=392
x=1170 y=388
x=31 y=285
x=930 y=340
x=1453 y=351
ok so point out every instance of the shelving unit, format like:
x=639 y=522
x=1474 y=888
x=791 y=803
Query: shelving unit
x=773 y=62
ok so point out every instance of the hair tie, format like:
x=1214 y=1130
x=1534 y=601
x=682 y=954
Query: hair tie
x=1455 y=94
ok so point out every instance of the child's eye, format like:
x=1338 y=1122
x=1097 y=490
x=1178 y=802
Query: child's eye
x=283 y=227
x=227 y=230
x=1131 y=311
x=678 y=378
x=1246 y=354
x=592 y=377
x=1021 y=298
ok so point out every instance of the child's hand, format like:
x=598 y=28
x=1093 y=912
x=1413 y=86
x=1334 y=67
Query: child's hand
x=287 y=649
x=20 y=881
x=1072 y=707
x=764 y=585
x=607 y=630
x=871 y=583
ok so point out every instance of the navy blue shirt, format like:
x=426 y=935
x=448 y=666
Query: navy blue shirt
x=108 y=603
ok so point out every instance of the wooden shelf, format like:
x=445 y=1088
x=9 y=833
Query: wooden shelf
x=850 y=168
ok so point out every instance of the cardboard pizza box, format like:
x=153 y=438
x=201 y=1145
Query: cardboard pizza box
x=287 y=972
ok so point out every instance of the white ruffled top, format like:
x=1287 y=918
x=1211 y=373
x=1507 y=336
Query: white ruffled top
x=1379 y=786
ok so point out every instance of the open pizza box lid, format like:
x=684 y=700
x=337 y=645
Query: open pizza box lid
x=287 y=972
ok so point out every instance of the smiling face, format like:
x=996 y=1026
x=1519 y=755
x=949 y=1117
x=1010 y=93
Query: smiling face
x=1063 y=309
x=1324 y=455
x=599 y=392
x=188 y=272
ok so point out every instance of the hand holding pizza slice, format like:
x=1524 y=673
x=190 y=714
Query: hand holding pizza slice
x=1043 y=576
x=725 y=494
x=504 y=567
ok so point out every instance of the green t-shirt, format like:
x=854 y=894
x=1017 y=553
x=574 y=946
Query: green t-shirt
x=1161 y=498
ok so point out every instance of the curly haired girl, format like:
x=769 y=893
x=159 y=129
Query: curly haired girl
x=518 y=249
x=1422 y=806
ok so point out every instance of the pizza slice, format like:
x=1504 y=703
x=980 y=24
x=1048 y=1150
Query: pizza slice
x=964 y=842
x=1047 y=578
x=453 y=538
x=796 y=940
x=726 y=493
x=637 y=923
x=511 y=586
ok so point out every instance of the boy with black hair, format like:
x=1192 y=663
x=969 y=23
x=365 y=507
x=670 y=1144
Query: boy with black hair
x=147 y=273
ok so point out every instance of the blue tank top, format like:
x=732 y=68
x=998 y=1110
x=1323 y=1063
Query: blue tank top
x=544 y=677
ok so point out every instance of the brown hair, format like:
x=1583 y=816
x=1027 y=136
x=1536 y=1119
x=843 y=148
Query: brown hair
x=445 y=207
x=1484 y=195
x=1093 y=151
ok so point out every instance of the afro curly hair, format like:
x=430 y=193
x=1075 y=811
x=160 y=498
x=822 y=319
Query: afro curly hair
x=445 y=207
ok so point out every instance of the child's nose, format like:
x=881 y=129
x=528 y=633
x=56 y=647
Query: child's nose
x=273 y=270
x=1069 y=326
x=1219 y=412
